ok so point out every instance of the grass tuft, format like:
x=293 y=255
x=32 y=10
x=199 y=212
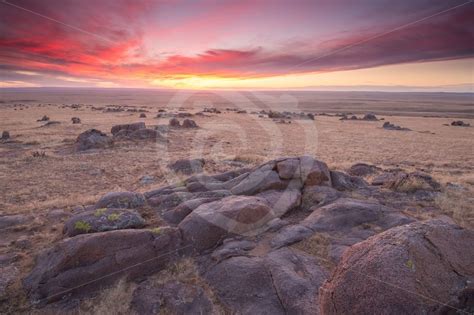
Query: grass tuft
x=82 y=226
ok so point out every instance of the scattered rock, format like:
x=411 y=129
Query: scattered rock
x=187 y=167
x=362 y=169
x=93 y=139
x=370 y=117
x=5 y=135
x=460 y=123
x=388 y=126
x=44 y=118
x=51 y=123
x=9 y=221
x=174 y=122
x=101 y=220
x=142 y=115
x=127 y=129
x=396 y=269
x=124 y=199
x=75 y=120
x=147 y=180
x=189 y=123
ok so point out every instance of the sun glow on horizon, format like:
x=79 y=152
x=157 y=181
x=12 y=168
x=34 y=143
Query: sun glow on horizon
x=429 y=74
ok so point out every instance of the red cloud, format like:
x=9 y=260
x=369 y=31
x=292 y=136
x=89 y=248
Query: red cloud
x=109 y=44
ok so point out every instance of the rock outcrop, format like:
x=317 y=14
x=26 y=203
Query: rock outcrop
x=285 y=281
x=421 y=268
x=264 y=240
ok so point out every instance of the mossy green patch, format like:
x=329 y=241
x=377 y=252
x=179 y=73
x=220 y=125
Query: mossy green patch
x=100 y=212
x=156 y=230
x=410 y=264
x=113 y=217
x=82 y=226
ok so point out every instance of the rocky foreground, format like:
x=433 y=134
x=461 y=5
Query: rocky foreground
x=288 y=237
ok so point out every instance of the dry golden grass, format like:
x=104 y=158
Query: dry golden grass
x=459 y=205
x=63 y=179
x=114 y=300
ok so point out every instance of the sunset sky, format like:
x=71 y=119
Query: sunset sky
x=237 y=44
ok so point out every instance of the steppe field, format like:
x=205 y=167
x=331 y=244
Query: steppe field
x=44 y=179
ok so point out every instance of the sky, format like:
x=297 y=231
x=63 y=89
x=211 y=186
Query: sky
x=258 y=44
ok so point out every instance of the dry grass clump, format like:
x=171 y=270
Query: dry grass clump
x=458 y=204
x=253 y=159
x=317 y=246
x=408 y=184
x=114 y=300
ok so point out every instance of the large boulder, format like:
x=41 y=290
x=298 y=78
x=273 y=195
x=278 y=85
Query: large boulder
x=127 y=128
x=346 y=214
x=93 y=139
x=285 y=281
x=348 y=221
x=244 y=285
x=101 y=220
x=210 y=223
x=189 y=123
x=85 y=262
x=421 y=268
x=174 y=122
x=121 y=199
x=305 y=168
x=171 y=297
